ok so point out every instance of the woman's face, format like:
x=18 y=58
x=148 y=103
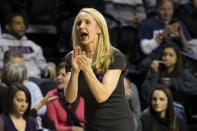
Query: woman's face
x=87 y=29
x=169 y=55
x=20 y=103
x=159 y=101
x=165 y=11
x=61 y=78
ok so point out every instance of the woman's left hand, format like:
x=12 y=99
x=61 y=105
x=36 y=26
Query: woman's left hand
x=85 y=62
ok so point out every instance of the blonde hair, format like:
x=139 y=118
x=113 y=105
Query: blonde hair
x=103 y=53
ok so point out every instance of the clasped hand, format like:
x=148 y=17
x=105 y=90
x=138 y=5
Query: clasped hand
x=175 y=29
x=81 y=61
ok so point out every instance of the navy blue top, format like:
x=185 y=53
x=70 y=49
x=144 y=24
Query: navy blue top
x=9 y=125
x=153 y=26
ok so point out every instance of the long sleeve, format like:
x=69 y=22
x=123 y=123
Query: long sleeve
x=148 y=46
x=36 y=96
x=187 y=85
x=148 y=33
x=35 y=60
x=134 y=101
x=2 y=50
x=41 y=61
x=141 y=10
x=149 y=83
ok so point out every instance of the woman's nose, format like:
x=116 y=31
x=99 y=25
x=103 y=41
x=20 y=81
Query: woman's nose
x=157 y=102
x=82 y=25
x=23 y=104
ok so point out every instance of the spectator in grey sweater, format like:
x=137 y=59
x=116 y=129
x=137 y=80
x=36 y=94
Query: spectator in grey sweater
x=15 y=39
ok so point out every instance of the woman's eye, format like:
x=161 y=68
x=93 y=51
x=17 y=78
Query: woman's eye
x=87 y=22
x=162 y=99
x=78 y=23
x=19 y=100
x=154 y=99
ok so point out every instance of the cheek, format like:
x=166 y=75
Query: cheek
x=17 y=28
x=174 y=60
x=27 y=106
x=165 y=105
x=16 y=107
x=161 y=13
x=153 y=103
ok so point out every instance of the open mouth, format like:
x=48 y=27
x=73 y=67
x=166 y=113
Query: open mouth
x=83 y=36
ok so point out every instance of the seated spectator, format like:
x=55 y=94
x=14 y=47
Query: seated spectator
x=161 y=115
x=150 y=5
x=66 y=116
x=16 y=57
x=15 y=39
x=187 y=14
x=123 y=18
x=13 y=73
x=126 y=11
x=153 y=31
x=168 y=70
x=17 y=110
x=132 y=96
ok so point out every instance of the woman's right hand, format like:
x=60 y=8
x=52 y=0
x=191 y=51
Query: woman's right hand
x=48 y=99
x=155 y=65
x=75 y=53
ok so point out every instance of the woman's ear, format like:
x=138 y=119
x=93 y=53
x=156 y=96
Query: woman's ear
x=98 y=30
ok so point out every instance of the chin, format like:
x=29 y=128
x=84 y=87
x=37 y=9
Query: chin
x=61 y=87
x=157 y=110
x=21 y=113
x=84 y=42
